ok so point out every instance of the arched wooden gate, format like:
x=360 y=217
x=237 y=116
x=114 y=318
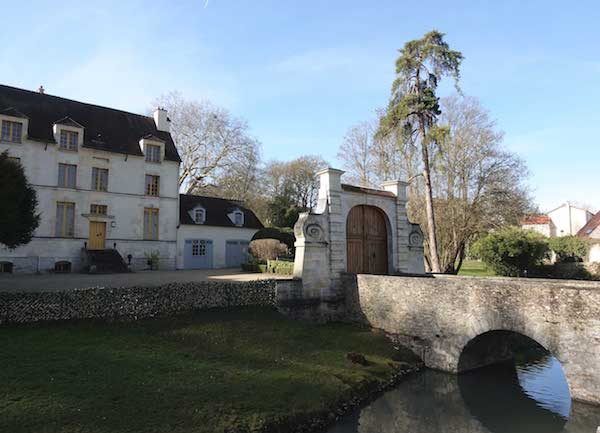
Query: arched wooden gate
x=366 y=240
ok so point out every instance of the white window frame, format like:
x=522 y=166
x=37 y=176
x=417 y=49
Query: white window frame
x=152 y=141
x=235 y=218
x=69 y=175
x=57 y=130
x=10 y=123
x=69 y=145
x=194 y=215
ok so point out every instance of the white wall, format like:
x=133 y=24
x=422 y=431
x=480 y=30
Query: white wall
x=219 y=236
x=544 y=229
x=125 y=200
x=568 y=219
x=595 y=253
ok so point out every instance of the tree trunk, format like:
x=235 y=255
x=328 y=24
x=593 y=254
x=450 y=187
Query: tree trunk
x=461 y=258
x=433 y=247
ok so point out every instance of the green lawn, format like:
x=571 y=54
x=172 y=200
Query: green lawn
x=475 y=268
x=216 y=371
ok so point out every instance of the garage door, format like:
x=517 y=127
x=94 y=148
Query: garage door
x=198 y=254
x=236 y=253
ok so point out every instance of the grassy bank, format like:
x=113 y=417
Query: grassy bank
x=217 y=371
x=474 y=268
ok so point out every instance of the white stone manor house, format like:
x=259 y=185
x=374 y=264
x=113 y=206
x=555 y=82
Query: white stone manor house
x=105 y=179
x=107 y=184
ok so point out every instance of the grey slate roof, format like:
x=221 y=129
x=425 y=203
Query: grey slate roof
x=104 y=128
x=217 y=210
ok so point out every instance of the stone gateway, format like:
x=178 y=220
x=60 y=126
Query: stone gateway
x=356 y=230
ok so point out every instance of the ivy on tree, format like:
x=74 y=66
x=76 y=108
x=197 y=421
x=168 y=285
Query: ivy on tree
x=18 y=202
x=414 y=107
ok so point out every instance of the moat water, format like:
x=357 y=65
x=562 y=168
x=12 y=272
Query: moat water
x=527 y=396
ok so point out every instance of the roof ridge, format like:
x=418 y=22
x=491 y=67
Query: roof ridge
x=75 y=101
x=212 y=196
x=589 y=226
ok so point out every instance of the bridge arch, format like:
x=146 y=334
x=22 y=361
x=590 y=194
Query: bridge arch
x=438 y=316
x=501 y=368
x=496 y=346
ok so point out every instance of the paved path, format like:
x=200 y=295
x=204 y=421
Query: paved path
x=54 y=282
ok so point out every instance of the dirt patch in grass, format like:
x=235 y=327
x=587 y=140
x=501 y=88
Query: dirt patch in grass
x=215 y=371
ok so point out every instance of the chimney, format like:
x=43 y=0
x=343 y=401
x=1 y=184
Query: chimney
x=161 y=120
x=41 y=90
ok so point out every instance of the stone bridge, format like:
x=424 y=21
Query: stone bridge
x=439 y=316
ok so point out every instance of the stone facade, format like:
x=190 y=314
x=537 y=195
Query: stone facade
x=124 y=198
x=321 y=234
x=438 y=316
x=132 y=303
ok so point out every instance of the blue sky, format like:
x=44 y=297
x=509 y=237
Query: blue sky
x=303 y=72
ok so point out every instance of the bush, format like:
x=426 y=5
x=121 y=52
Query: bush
x=594 y=269
x=285 y=235
x=280 y=267
x=570 y=249
x=254 y=267
x=563 y=271
x=512 y=251
x=267 y=249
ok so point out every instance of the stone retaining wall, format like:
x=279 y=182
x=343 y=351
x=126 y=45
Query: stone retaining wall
x=132 y=303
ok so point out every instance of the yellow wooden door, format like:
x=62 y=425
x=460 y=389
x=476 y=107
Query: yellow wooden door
x=97 y=235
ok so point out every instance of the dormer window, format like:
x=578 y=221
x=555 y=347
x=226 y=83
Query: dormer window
x=68 y=140
x=238 y=218
x=11 y=131
x=152 y=153
x=199 y=216
x=153 y=148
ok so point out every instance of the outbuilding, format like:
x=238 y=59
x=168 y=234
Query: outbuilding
x=213 y=232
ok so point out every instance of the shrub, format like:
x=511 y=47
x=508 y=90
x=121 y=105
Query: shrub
x=254 y=267
x=267 y=249
x=563 y=271
x=570 y=248
x=152 y=259
x=512 y=251
x=280 y=267
x=594 y=269
x=285 y=235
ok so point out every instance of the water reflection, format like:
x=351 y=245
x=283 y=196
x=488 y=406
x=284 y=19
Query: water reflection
x=528 y=397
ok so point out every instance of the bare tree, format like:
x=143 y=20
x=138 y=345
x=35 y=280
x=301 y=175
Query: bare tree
x=290 y=187
x=356 y=153
x=213 y=145
x=476 y=184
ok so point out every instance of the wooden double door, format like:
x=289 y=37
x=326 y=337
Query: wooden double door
x=366 y=241
x=97 y=238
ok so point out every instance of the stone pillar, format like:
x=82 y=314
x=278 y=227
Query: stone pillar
x=311 y=263
x=403 y=226
x=330 y=194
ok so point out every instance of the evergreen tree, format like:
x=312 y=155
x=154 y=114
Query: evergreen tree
x=18 y=202
x=414 y=107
